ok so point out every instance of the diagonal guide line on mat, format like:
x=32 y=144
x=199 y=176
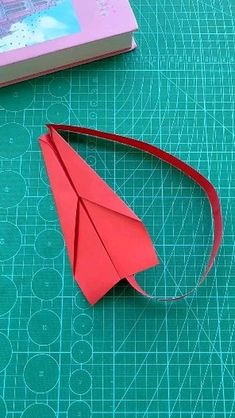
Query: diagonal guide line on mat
x=172 y=354
x=149 y=353
x=216 y=9
x=145 y=358
x=201 y=330
x=165 y=267
x=198 y=104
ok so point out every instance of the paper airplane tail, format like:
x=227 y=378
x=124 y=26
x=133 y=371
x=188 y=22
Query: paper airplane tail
x=132 y=281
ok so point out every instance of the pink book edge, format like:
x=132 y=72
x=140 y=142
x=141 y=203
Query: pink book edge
x=64 y=67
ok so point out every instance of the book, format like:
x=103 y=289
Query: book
x=42 y=36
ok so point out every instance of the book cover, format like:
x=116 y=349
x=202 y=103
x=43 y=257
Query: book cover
x=23 y=24
x=31 y=28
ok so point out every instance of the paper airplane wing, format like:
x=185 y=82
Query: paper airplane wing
x=106 y=241
x=64 y=194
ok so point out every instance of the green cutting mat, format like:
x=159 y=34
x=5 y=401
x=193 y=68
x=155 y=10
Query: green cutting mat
x=127 y=356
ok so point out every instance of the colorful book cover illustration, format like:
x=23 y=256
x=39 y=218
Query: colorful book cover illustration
x=30 y=22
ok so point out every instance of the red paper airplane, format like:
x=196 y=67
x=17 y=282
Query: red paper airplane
x=106 y=241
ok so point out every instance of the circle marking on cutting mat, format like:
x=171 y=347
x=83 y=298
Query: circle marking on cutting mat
x=8 y=295
x=81 y=302
x=79 y=409
x=44 y=176
x=49 y=243
x=44 y=327
x=15 y=140
x=81 y=351
x=39 y=410
x=80 y=382
x=47 y=284
x=5 y=351
x=17 y=97
x=59 y=87
x=41 y=373
x=46 y=208
x=82 y=324
x=57 y=112
x=3 y=408
x=10 y=240
x=12 y=188
x=91 y=160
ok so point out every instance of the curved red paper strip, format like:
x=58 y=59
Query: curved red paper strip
x=180 y=165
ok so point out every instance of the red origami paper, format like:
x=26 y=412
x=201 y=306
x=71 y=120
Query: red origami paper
x=106 y=241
